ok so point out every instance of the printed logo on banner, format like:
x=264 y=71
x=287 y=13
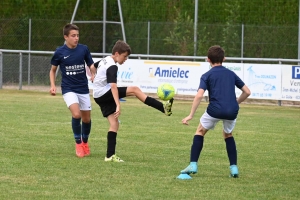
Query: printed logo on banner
x=169 y=73
x=258 y=80
x=125 y=76
x=296 y=72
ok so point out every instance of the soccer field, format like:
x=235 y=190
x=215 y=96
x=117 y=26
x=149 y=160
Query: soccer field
x=38 y=153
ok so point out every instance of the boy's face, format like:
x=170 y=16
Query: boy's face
x=72 y=39
x=121 y=58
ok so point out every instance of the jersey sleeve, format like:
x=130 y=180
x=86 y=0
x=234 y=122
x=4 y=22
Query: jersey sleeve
x=88 y=57
x=203 y=82
x=96 y=64
x=55 y=60
x=238 y=82
x=111 y=74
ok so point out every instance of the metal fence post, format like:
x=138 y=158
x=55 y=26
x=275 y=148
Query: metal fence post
x=148 y=42
x=29 y=48
x=20 y=72
x=1 y=69
x=279 y=101
x=195 y=27
x=242 y=43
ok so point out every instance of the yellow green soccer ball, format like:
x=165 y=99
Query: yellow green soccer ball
x=165 y=91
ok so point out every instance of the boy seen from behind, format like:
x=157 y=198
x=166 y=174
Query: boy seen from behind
x=223 y=106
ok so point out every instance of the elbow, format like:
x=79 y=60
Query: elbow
x=248 y=93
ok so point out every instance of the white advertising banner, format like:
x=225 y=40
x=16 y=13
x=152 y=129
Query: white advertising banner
x=264 y=81
x=149 y=74
x=238 y=69
x=290 y=82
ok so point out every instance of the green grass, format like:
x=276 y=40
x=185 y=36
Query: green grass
x=38 y=155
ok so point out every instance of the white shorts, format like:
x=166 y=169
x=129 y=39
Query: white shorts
x=83 y=100
x=209 y=122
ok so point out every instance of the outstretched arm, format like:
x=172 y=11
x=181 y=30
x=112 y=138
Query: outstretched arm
x=245 y=94
x=196 y=103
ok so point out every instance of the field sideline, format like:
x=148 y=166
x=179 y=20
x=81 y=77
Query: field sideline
x=38 y=156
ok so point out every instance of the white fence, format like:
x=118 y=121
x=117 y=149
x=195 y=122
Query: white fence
x=266 y=81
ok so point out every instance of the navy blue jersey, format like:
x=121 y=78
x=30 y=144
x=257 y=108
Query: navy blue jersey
x=220 y=83
x=72 y=66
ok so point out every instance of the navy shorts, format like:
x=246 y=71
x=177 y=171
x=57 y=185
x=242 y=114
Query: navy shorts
x=107 y=103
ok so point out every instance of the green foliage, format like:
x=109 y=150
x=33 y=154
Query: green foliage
x=271 y=26
x=38 y=153
x=231 y=33
x=181 y=37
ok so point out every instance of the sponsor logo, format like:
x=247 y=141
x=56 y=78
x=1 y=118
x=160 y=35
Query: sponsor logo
x=66 y=56
x=295 y=72
x=169 y=73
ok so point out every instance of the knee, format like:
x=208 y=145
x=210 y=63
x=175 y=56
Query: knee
x=86 y=120
x=227 y=135
x=201 y=131
x=136 y=89
x=76 y=115
x=114 y=126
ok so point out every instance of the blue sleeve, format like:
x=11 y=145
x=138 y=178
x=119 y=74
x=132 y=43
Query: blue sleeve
x=55 y=59
x=88 y=57
x=238 y=82
x=203 y=82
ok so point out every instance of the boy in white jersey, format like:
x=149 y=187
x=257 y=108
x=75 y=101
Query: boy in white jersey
x=72 y=58
x=107 y=95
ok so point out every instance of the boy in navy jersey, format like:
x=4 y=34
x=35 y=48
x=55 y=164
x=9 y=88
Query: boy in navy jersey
x=107 y=95
x=71 y=59
x=223 y=106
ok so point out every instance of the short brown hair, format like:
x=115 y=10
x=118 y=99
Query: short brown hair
x=216 y=54
x=121 y=47
x=68 y=27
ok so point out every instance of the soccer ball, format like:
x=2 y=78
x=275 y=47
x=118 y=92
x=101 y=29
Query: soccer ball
x=165 y=91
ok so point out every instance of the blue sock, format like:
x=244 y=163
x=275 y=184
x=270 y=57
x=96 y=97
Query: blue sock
x=196 y=148
x=86 y=129
x=76 y=126
x=231 y=150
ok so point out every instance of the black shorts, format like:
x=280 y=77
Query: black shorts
x=107 y=103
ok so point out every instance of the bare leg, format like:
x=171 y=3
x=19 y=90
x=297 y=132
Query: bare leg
x=136 y=91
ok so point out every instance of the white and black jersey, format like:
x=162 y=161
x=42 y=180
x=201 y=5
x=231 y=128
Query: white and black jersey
x=107 y=71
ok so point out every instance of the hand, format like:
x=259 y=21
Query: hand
x=118 y=112
x=186 y=119
x=53 y=91
x=92 y=77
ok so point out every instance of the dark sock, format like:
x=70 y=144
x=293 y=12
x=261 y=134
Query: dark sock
x=111 y=143
x=231 y=150
x=86 y=129
x=76 y=126
x=155 y=104
x=196 y=148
